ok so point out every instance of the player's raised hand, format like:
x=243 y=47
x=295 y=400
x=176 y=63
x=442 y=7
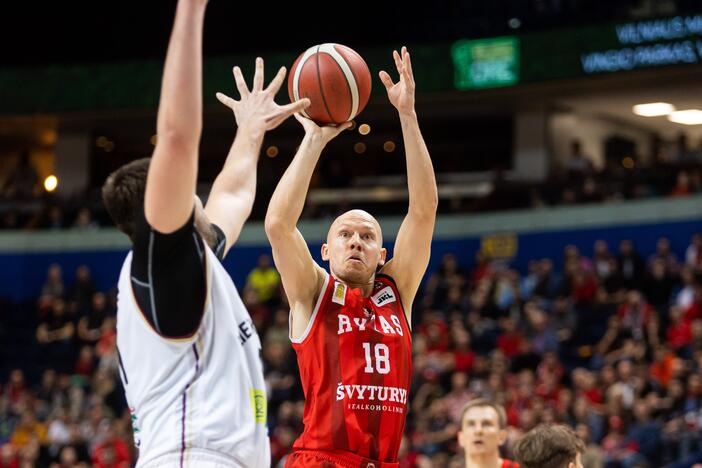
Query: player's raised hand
x=256 y=110
x=323 y=134
x=401 y=94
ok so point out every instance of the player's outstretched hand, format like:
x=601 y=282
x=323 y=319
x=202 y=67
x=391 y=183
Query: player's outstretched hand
x=256 y=110
x=401 y=94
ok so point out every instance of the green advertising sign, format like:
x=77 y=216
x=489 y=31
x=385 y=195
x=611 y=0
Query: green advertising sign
x=486 y=63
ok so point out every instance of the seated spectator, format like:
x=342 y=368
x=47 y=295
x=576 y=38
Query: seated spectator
x=23 y=181
x=264 y=280
x=53 y=286
x=693 y=254
x=55 y=336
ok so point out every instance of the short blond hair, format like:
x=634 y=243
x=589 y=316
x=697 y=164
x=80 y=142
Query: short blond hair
x=485 y=403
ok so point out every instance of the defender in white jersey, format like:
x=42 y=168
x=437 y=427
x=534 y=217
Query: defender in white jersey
x=189 y=354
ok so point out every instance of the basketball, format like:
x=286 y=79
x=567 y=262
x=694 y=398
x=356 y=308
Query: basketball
x=335 y=79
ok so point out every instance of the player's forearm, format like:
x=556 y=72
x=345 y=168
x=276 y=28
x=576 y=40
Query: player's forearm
x=180 y=105
x=421 y=181
x=288 y=199
x=238 y=177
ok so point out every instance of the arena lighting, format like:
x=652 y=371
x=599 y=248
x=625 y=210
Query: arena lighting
x=686 y=117
x=653 y=109
x=364 y=129
x=359 y=148
x=272 y=151
x=50 y=183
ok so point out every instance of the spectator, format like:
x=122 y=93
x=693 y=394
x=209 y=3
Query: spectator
x=264 y=280
x=23 y=181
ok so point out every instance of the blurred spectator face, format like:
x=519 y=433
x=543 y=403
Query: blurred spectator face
x=625 y=370
x=601 y=248
x=641 y=410
x=54 y=273
x=583 y=432
x=634 y=298
x=658 y=268
x=264 y=262
x=694 y=384
x=459 y=381
x=83 y=273
x=480 y=432
x=16 y=378
x=546 y=266
x=449 y=263
x=663 y=246
x=7 y=454
x=99 y=301
x=687 y=275
x=68 y=456
x=626 y=247
x=676 y=390
x=48 y=378
x=59 y=307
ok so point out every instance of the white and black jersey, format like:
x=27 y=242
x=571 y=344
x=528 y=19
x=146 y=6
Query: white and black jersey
x=189 y=355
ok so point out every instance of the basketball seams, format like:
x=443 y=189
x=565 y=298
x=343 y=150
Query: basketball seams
x=298 y=71
x=321 y=88
x=330 y=49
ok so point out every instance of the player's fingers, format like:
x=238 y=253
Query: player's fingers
x=286 y=111
x=226 y=100
x=408 y=63
x=240 y=82
x=385 y=79
x=274 y=86
x=398 y=61
x=258 y=75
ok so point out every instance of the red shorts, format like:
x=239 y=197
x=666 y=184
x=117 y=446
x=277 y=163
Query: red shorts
x=325 y=459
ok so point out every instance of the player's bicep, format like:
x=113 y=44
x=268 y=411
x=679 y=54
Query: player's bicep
x=411 y=254
x=170 y=186
x=299 y=272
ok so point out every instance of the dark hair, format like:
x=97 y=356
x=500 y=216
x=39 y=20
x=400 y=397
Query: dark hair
x=548 y=446
x=485 y=403
x=123 y=194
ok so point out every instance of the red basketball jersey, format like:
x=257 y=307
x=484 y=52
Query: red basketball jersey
x=509 y=464
x=355 y=361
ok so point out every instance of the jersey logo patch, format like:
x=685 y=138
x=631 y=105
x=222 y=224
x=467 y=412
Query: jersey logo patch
x=384 y=296
x=339 y=295
x=258 y=404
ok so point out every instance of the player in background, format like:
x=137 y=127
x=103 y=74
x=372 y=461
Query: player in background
x=189 y=354
x=483 y=430
x=550 y=446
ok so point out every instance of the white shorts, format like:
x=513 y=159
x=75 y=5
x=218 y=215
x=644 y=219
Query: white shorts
x=193 y=458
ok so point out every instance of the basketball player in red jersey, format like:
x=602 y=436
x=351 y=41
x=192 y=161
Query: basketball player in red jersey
x=483 y=430
x=350 y=327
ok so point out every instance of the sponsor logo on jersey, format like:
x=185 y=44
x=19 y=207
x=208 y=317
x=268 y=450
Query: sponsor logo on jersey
x=258 y=404
x=339 y=295
x=384 y=296
x=372 y=397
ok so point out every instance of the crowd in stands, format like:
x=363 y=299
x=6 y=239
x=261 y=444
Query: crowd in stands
x=609 y=343
x=674 y=171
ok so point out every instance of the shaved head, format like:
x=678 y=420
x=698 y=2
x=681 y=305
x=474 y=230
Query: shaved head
x=354 y=247
x=356 y=215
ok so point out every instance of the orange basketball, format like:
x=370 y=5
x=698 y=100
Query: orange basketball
x=335 y=79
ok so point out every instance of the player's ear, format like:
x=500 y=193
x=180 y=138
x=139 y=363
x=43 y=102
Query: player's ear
x=383 y=255
x=502 y=437
x=325 y=252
